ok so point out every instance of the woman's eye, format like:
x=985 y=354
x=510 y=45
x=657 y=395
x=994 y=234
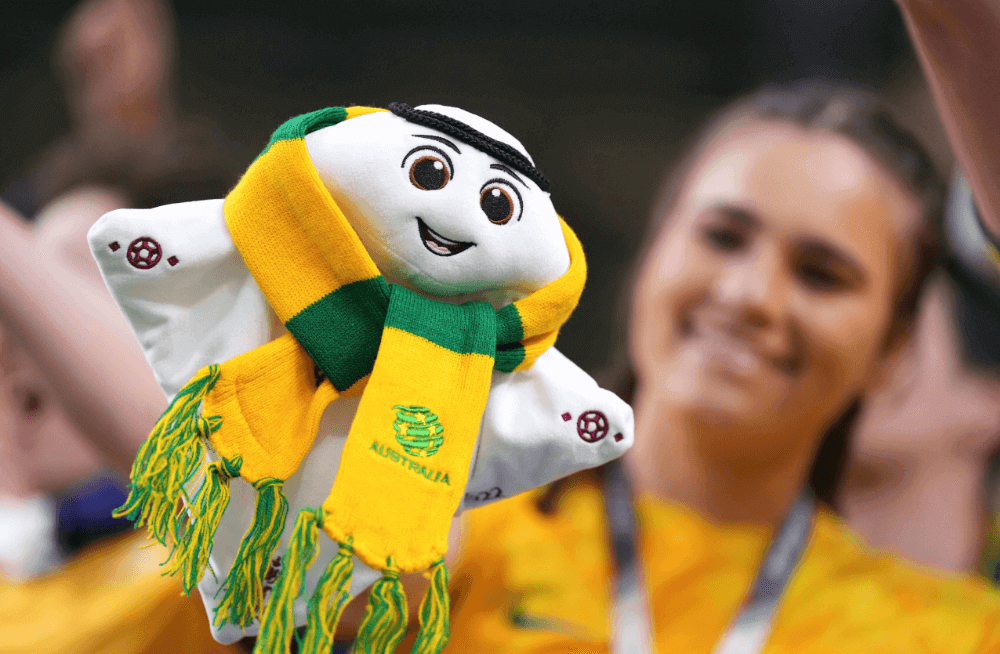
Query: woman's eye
x=724 y=239
x=820 y=277
x=429 y=173
x=497 y=204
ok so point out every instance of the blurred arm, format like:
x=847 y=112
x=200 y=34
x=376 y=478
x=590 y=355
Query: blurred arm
x=958 y=43
x=69 y=324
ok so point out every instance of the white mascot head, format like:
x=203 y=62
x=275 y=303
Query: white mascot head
x=446 y=203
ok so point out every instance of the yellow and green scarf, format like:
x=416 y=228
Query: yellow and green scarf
x=422 y=368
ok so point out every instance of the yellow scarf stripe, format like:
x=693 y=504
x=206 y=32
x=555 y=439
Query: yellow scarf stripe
x=276 y=379
x=414 y=433
x=531 y=324
x=292 y=272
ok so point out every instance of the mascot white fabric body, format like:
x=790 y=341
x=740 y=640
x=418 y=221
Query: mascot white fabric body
x=438 y=216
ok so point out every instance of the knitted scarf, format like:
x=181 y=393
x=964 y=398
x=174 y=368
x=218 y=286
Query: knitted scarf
x=422 y=368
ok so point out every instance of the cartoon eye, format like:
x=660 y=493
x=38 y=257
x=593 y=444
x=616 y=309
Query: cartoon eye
x=429 y=173
x=431 y=169
x=500 y=201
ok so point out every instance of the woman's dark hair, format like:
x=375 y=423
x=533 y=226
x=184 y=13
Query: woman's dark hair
x=866 y=121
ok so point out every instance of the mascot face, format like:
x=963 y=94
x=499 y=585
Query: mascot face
x=437 y=215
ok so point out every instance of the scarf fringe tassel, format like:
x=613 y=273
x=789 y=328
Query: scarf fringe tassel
x=191 y=556
x=384 y=624
x=169 y=459
x=244 y=590
x=328 y=601
x=278 y=622
x=434 y=613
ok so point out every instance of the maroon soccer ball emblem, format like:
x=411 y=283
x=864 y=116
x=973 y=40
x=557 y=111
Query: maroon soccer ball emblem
x=592 y=426
x=144 y=253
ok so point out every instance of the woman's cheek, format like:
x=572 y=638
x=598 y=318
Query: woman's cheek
x=677 y=255
x=845 y=339
x=669 y=281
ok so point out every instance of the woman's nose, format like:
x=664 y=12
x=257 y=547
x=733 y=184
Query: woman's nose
x=753 y=288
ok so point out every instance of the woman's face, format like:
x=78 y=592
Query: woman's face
x=764 y=302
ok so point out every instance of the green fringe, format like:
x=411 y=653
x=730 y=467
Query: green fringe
x=333 y=588
x=384 y=624
x=169 y=459
x=195 y=546
x=244 y=596
x=434 y=614
x=278 y=622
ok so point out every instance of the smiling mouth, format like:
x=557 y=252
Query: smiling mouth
x=439 y=245
x=739 y=355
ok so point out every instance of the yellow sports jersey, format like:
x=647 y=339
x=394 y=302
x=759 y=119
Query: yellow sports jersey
x=532 y=583
x=109 y=599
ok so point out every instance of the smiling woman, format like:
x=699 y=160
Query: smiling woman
x=783 y=269
x=768 y=299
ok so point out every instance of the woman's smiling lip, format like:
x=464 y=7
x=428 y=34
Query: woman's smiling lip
x=439 y=245
x=736 y=354
x=729 y=351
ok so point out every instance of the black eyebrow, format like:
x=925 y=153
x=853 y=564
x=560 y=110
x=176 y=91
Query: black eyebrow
x=439 y=139
x=745 y=217
x=466 y=134
x=509 y=172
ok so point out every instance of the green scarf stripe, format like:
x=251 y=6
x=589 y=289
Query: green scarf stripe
x=467 y=328
x=509 y=326
x=356 y=313
x=298 y=127
x=510 y=331
x=509 y=357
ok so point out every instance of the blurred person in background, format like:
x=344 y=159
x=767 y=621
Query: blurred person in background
x=924 y=481
x=77 y=398
x=782 y=277
x=70 y=579
x=920 y=473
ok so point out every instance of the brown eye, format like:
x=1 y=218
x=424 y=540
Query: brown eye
x=820 y=277
x=725 y=239
x=497 y=204
x=429 y=173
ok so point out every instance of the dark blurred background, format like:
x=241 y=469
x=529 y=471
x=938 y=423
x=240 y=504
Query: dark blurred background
x=602 y=93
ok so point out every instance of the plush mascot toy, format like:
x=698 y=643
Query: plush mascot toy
x=360 y=334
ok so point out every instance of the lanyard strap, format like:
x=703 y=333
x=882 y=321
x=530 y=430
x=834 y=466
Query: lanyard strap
x=750 y=629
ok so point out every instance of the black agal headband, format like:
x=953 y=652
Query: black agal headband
x=475 y=138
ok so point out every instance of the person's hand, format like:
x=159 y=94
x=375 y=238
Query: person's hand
x=956 y=42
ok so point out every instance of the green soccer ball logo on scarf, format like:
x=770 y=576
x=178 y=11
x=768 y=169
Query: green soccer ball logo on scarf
x=418 y=430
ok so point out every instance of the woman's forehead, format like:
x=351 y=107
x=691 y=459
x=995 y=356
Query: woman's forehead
x=803 y=181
